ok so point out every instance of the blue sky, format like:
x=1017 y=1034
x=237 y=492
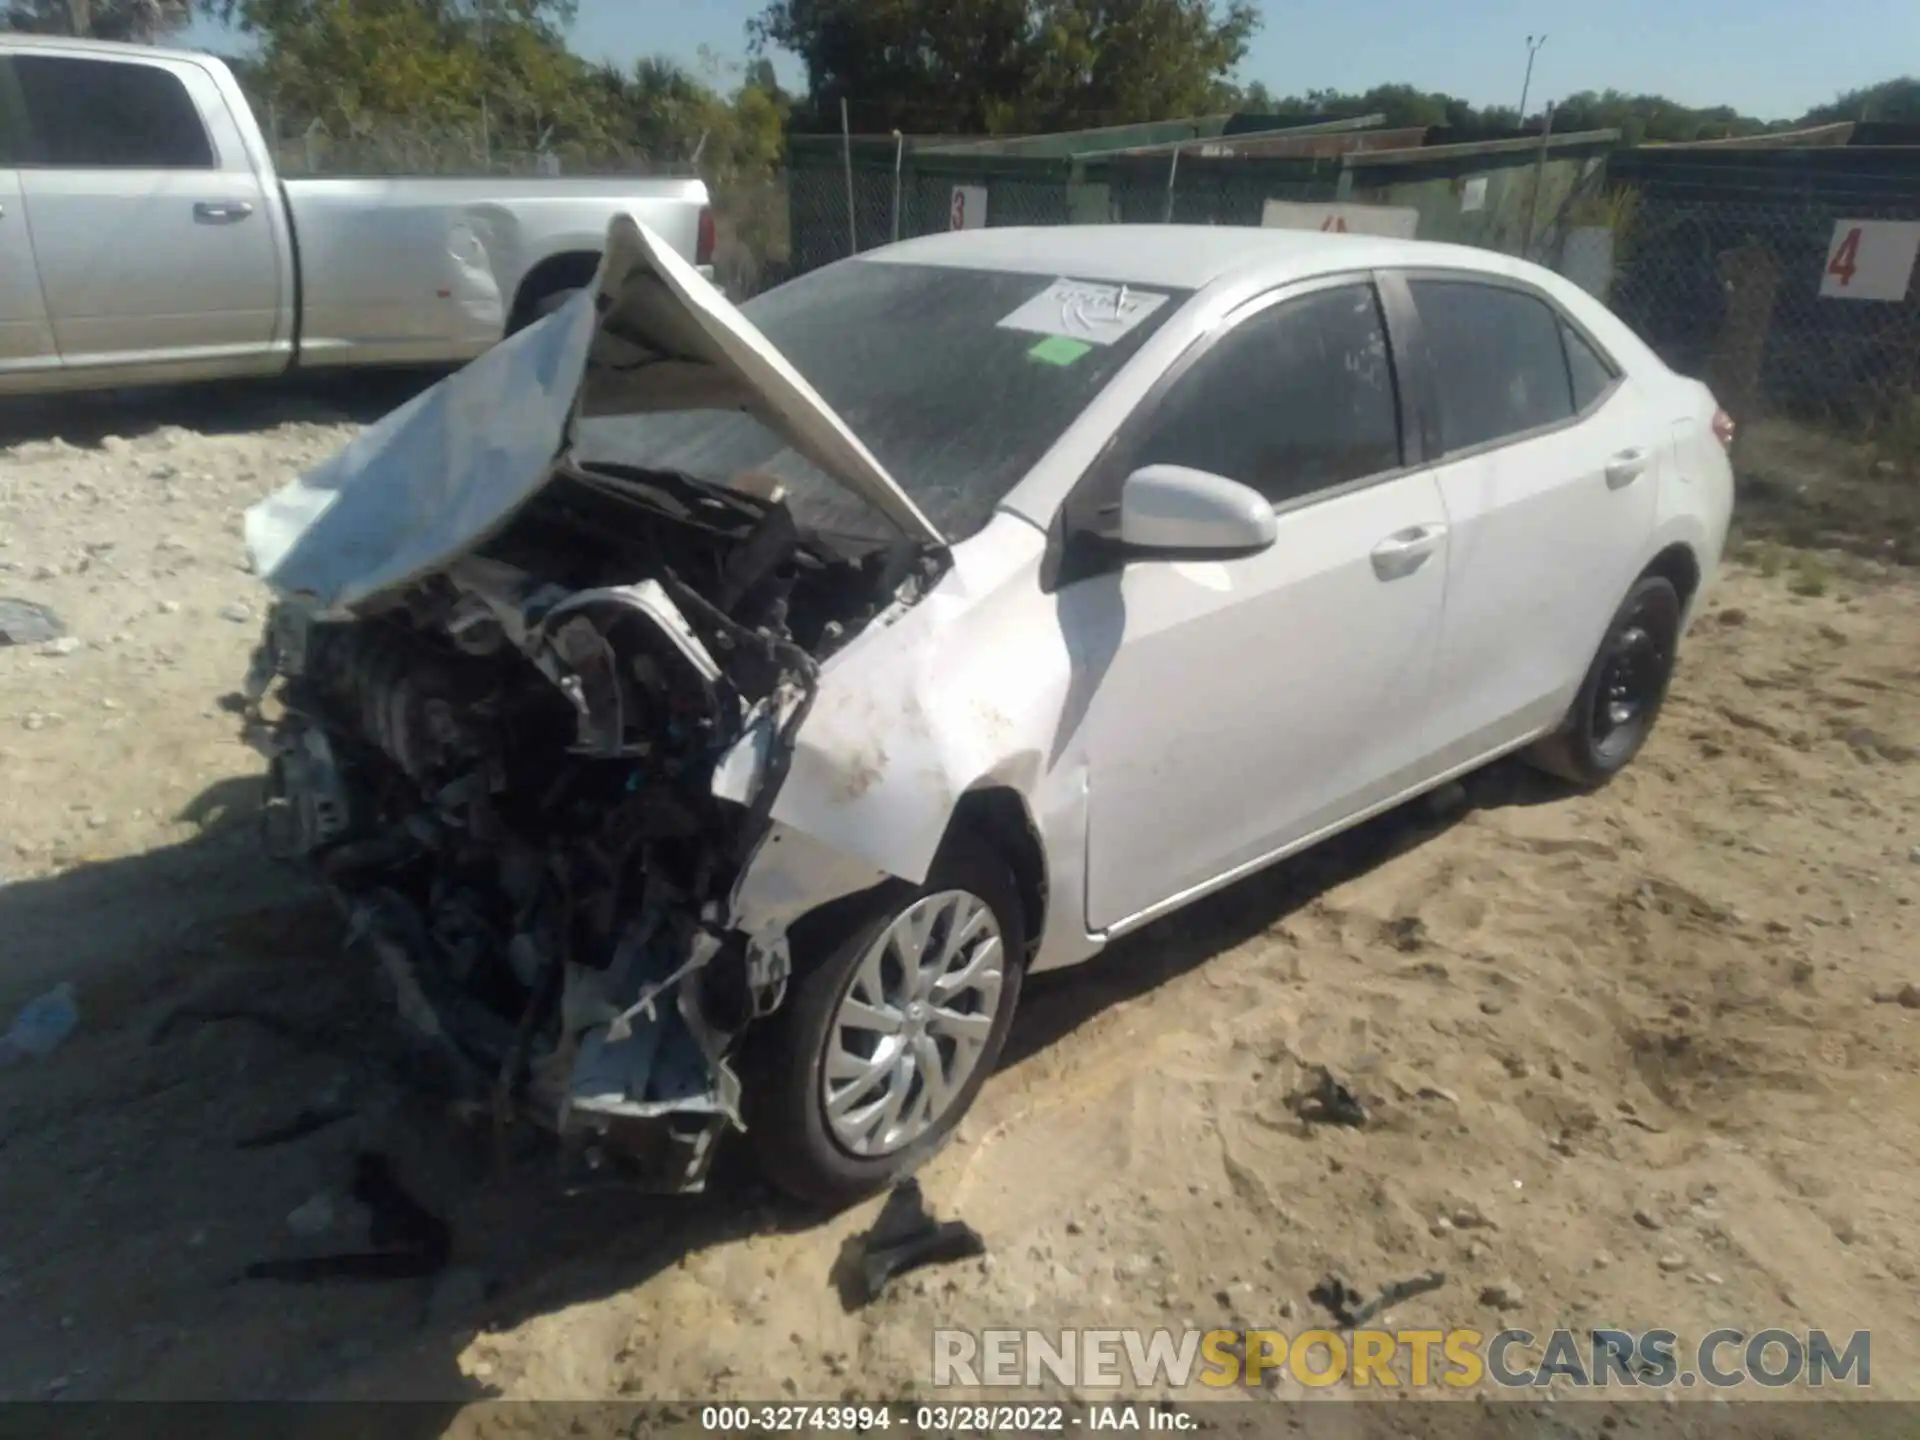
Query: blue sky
x=1770 y=58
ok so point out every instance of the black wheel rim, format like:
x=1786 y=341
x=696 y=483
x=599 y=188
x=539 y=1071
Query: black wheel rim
x=1633 y=677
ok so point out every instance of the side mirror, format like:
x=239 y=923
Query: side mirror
x=1173 y=510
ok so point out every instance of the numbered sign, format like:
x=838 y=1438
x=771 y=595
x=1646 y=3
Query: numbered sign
x=969 y=210
x=1870 y=259
x=1399 y=221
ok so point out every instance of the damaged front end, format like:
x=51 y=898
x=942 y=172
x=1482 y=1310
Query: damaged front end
x=533 y=770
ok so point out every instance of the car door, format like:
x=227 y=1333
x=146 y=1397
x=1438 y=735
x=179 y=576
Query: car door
x=1550 y=484
x=150 y=225
x=26 y=340
x=1250 y=703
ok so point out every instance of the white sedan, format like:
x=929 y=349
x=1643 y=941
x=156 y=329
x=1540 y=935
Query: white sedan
x=710 y=715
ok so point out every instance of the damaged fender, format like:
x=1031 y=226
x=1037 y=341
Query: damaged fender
x=906 y=722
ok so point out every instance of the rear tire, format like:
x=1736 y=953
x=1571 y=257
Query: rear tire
x=808 y=1087
x=1619 y=700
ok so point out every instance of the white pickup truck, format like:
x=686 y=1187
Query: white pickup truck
x=145 y=238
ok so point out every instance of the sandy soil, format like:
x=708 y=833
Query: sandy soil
x=1632 y=1059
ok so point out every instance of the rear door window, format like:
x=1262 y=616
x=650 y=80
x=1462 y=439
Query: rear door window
x=1499 y=364
x=109 y=115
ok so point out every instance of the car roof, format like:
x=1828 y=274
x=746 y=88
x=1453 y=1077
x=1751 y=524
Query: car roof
x=1185 y=257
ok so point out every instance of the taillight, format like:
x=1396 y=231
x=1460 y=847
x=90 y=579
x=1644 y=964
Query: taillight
x=1723 y=429
x=703 y=246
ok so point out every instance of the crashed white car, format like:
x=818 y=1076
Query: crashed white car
x=709 y=715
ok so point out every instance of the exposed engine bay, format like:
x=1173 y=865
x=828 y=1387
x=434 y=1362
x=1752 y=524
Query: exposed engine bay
x=532 y=779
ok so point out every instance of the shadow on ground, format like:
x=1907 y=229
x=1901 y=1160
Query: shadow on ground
x=134 y=1200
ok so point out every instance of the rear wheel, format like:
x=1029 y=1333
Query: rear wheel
x=1620 y=698
x=888 y=1032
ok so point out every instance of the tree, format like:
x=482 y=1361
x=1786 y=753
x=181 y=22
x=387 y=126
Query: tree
x=1891 y=101
x=141 y=21
x=995 y=66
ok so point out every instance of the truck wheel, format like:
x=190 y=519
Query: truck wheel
x=888 y=1032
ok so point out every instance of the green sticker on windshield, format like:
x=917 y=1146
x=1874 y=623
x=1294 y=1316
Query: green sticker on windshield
x=1059 y=350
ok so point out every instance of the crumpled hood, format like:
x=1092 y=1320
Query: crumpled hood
x=443 y=473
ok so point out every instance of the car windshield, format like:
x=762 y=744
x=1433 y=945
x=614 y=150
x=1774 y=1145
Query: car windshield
x=957 y=380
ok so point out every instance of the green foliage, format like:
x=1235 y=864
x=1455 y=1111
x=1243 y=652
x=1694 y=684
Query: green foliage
x=1891 y=101
x=1007 y=66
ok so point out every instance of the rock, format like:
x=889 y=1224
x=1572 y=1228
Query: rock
x=168 y=607
x=314 y=1217
x=1491 y=1006
x=1472 y=1217
x=64 y=646
x=1673 y=1261
x=1732 y=616
x=97 y=821
x=1649 y=1219
x=1909 y=997
x=1502 y=1295
x=1074 y=1227
x=236 y=612
x=1914 y=855
x=456 y=1292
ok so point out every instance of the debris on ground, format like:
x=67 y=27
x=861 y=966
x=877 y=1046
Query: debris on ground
x=308 y=1122
x=314 y=1217
x=1350 y=1309
x=906 y=1237
x=22 y=622
x=41 y=1025
x=410 y=1241
x=1327 y=1102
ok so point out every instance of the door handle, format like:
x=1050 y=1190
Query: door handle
x=1405 y=551
x=1623 y=469
x=222 y=212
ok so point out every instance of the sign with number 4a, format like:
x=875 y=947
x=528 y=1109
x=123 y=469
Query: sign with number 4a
x=1870 y=259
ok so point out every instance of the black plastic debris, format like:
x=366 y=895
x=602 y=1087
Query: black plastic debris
x=1328 y=1102
x=307 y=1122
x=905 y=1237
x=22 y=622
x=410 y=1241
x=1350 y=1308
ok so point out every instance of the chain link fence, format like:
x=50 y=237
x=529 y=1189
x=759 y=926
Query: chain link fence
x=1726 y=272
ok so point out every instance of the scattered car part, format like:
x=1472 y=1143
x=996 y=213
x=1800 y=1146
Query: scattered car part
x=1350 y=1309
x=1328 y=1102
x=905 y=1237
x=412 y=1241
x=22 y=622
x=309 y=1121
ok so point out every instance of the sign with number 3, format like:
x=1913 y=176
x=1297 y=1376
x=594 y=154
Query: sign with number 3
x=1870 y=259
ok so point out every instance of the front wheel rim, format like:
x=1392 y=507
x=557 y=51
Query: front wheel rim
x=1632 y=682
x=913 y=1024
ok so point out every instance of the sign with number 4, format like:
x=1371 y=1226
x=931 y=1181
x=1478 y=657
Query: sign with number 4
x=1870 y=259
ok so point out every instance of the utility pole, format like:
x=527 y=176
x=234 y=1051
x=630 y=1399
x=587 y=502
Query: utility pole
x=1533 y=48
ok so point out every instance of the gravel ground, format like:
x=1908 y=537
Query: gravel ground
x=1641 y=1058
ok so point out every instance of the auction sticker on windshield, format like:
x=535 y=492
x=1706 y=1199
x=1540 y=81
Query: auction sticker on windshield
x=1083 y=310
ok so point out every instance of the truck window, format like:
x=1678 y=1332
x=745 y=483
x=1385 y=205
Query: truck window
x=109 y=114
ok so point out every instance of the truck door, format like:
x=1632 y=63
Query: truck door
x=156 y=250
x=26 y=340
